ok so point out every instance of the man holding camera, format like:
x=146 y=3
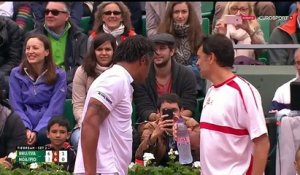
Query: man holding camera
x=165 y=76
x=157 y=136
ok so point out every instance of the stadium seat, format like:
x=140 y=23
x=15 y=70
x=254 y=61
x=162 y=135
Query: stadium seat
x=265 y=27
x=85 y=24
x=68 y=112
x=207 y=8
x=144 y=31
x=206 y=26
x=264 y=58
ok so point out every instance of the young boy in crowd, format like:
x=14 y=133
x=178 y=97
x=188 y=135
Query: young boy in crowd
x=58 y=131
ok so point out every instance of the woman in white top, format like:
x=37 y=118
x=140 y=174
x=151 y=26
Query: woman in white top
x=248 y=32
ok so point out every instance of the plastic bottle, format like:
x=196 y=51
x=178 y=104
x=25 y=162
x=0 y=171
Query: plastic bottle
x=183 y=143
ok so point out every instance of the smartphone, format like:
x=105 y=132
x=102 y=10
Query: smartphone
x=169 y=112
x=233 y=19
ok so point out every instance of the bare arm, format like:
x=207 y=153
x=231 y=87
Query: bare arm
x=95 y=115
x=260 y=154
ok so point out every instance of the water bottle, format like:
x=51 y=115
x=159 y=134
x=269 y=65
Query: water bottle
x=183 y=143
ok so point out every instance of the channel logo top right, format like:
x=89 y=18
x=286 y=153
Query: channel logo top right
x=275 y=18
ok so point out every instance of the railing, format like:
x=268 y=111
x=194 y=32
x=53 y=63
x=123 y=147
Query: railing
x=266 y=46
x=270 y=120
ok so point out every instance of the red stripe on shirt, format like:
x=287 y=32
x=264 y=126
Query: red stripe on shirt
x=249 y=172
x=250 y=89
x=223 y=129
x=225 y=82
x=237 y=87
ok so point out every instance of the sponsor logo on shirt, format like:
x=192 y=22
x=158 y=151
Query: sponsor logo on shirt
x=105 y=97
x=208 y=102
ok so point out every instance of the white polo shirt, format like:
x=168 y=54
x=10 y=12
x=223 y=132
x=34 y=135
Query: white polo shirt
x=282 y=96
x=112 y=88
x=231 y=118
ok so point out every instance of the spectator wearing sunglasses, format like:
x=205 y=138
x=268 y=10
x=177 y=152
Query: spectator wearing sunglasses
x=261 y=8
x=68 y=42
x=248 y=32
x=36 y=10
x=135 y=10
x=113 y=18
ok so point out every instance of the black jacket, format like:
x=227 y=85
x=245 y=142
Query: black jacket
x=11 y=42
x=12 y=132
x=183 y=84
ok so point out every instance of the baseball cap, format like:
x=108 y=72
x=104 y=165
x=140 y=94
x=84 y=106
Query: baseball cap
x=163 y=38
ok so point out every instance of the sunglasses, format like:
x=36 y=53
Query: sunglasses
x=54 y=12
x=112 y=12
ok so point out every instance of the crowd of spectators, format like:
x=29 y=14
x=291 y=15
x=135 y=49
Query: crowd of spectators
x=55 y=59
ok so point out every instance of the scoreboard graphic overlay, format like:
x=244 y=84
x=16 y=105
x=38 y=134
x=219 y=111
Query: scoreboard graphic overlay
x=40 y=154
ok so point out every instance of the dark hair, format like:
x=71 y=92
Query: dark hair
x=50 y=76
x=221 y=46
x=170 y=98
x=133 y=49
x=90 y=61
x=60 y=120
x=195 y=33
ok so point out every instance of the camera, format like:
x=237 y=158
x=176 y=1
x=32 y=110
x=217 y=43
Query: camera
x=233 y=19
x=169 y=112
